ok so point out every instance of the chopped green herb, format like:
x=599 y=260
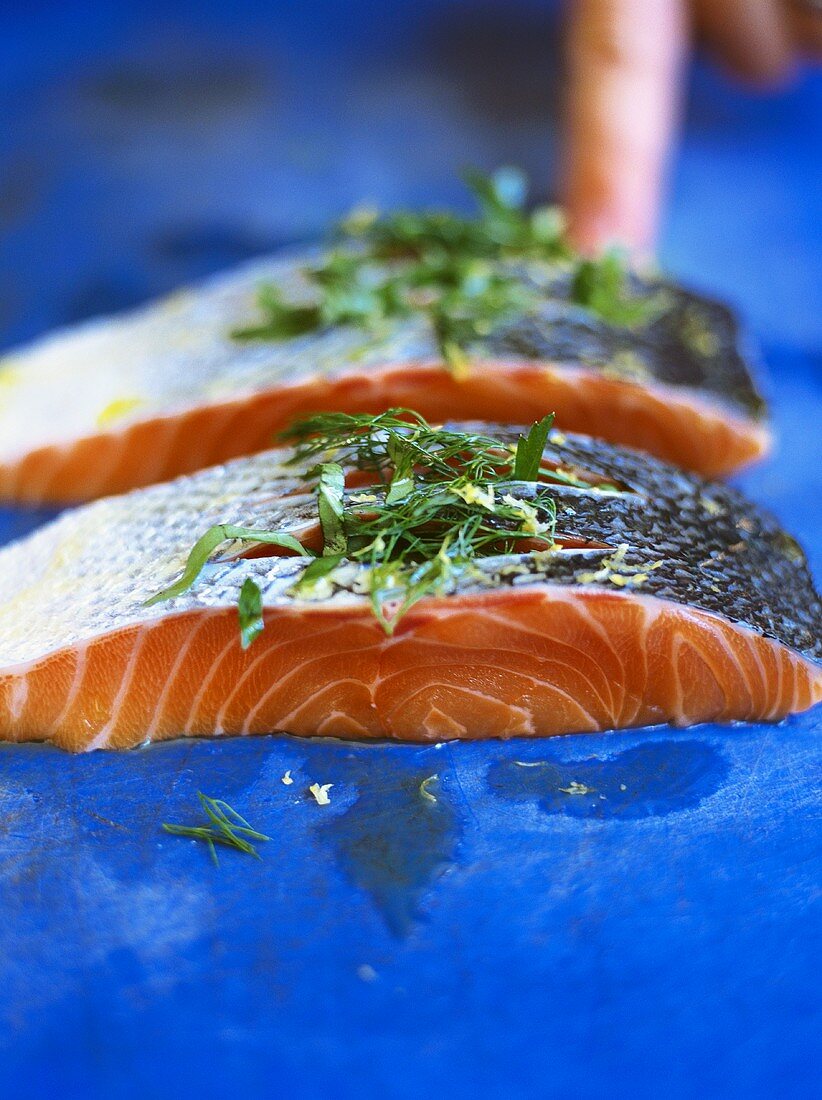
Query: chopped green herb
x=205 y=546
x=449 y=269
x=530 y=448
x=250 y=608
x=435 y=507
x=316 y=570
x=330 y=488
x=603 y=286
x=440 y=500
x=225 y=827
x=464 y=275
x=283 y=320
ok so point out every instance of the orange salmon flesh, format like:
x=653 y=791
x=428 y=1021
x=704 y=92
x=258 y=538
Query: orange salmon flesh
x=677 y=425
x=501 y=664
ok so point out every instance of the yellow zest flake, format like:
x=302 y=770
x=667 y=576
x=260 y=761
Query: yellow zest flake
x=424 y=792
x=627 y=367
x=531 y=523
x=363 y=498
x=320 y=792
x=711 y=506
x=177 y=300
x=615 y=570
x=696 y=333
x=476 y=494
x=456 y=360
x=621 y=581
x=577 y=788
x=360 y=219
x=117 y=410
x=558 y=438
x=286 y=779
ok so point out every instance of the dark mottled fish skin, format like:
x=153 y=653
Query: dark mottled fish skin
x=691 y=341
x=718 y=551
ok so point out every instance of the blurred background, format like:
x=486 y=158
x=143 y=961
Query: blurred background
x=143 y=144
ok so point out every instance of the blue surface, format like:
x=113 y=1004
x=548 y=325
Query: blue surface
x=510 y=939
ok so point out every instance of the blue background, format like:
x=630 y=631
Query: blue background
x=509 y=939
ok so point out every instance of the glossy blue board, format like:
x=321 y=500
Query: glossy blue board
x=656 y=936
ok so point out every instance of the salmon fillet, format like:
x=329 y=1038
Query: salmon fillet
x=128 y=401
x=667 y=600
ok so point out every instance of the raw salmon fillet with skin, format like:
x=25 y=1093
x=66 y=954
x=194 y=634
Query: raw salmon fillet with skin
x=164 y=390
x=594 y=636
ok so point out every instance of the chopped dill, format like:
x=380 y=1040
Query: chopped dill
x=225 y=827
x=440 y=500
x=464 y=275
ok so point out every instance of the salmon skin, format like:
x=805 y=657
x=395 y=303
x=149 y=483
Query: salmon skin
x=118 y=403
x=668 y=600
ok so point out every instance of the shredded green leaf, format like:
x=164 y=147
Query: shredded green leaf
x=330 y=489
x=603 y=286
x=530 y=449
x=250 y=609
x=225 y=827
x=205 y=546
x=464 y=275
x=440 y=500
x=447 y=268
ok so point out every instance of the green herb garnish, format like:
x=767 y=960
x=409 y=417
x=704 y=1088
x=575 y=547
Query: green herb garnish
x=528 y=455
x=603 y=285
x=205 y=546
x=447 y=268
x=464 y=275
x=330 y=498
x=440 y=500
x=250 y=609
x=225 y=827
